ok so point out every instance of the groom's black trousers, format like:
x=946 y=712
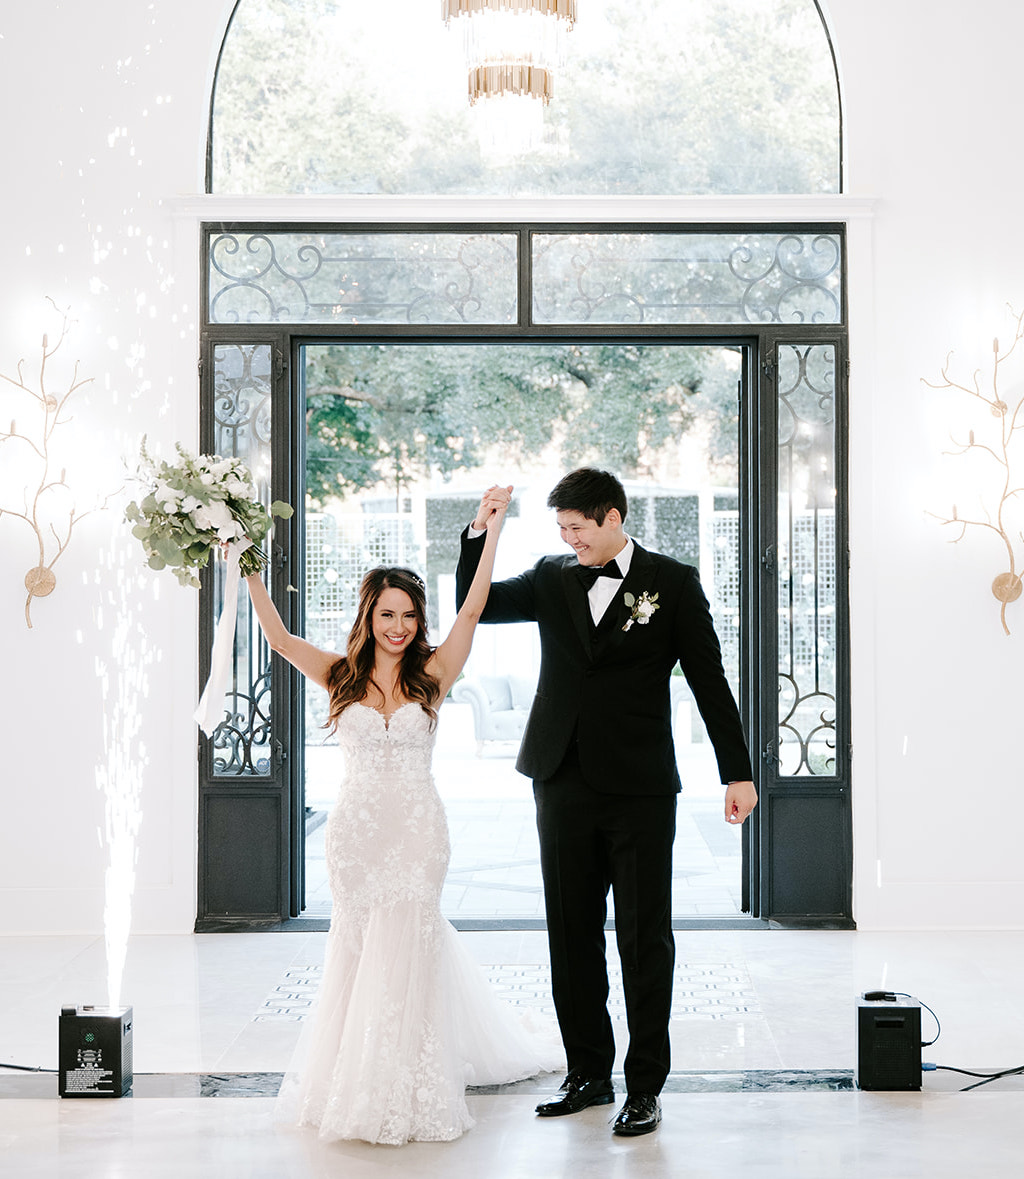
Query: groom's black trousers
x=590 y=841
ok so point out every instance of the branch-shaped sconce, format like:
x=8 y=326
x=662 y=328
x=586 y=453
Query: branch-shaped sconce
x=1007 y=586
x=47 y=412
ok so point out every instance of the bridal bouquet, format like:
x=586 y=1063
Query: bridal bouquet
x=195 y=505
x=190 y=509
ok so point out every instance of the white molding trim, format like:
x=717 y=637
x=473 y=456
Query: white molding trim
x=684 y=210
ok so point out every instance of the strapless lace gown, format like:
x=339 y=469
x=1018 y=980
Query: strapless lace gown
x=405 y=1019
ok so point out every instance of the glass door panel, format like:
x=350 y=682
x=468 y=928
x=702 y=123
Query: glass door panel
x=242 y=429
x=807 y=583
x=401 y=440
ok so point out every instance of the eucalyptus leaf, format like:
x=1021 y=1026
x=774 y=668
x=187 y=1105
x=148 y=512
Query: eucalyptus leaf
x=168 y=550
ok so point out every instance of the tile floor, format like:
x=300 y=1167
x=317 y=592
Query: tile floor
x=763 y=1041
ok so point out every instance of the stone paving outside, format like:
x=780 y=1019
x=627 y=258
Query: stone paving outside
x=495 y=868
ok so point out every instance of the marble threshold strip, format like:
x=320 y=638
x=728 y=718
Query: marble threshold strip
x=259 y=1084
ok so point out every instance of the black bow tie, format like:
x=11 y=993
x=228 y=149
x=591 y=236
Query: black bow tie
x=589 y=574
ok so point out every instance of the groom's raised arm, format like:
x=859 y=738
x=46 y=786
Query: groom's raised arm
x=508 y=601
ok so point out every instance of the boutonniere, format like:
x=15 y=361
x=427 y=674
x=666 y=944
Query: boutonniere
x=643 y=608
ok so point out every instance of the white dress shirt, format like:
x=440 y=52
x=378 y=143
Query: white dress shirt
x=604 y=591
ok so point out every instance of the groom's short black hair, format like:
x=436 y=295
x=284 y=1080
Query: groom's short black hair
x=590 y=492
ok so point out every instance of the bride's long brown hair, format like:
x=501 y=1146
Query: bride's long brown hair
x=351 y=676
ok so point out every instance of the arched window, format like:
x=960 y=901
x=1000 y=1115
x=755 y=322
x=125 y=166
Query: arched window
x=668 y=97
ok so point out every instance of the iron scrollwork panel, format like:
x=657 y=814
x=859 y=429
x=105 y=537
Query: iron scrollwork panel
x=670 y=278
x=807 y=561
x=363 y=278
x=242 y=744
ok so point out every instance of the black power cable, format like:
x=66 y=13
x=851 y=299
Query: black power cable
x=987 y=1077
x=903 y=994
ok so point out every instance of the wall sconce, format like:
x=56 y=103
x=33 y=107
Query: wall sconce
x=41 y=509
x=994 y=441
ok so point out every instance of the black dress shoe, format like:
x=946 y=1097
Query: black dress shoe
x=576 y=1093
x=640 y=1115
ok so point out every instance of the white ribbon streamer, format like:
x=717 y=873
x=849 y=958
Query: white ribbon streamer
x=210 y=712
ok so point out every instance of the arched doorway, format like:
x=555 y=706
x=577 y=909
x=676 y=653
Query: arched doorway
x=275 y=298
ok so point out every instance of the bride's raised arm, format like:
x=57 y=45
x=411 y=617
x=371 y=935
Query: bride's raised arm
x=310 y=660
x=448 y=660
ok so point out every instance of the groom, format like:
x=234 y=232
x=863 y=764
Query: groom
x=614 y=619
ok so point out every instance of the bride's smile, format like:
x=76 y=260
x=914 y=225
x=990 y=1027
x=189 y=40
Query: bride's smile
x=394 y=620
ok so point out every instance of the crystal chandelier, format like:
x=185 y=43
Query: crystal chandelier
x=512 y=49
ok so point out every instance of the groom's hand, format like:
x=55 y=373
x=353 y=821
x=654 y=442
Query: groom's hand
x=494 y=499
x=740 y=800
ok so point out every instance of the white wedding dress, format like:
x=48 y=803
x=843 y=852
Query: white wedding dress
x=405 y=1019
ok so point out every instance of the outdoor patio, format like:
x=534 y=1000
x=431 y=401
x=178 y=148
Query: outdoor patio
x=495 y=868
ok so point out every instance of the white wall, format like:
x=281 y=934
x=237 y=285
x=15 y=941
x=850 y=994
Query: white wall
x=104 y=113
x=939 y=800
x=105 y=108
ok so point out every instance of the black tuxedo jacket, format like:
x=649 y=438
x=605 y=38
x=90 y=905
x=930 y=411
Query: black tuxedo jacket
x=613 y=690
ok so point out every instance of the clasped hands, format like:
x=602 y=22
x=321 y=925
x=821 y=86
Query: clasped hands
x=493 y=506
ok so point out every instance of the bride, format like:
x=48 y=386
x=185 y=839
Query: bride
x=404 y=1018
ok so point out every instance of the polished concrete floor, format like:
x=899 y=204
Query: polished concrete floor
x=763 y=1041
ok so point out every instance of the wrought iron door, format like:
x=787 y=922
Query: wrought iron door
x=247 y=803
x=803 y=817
x=775 y=292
